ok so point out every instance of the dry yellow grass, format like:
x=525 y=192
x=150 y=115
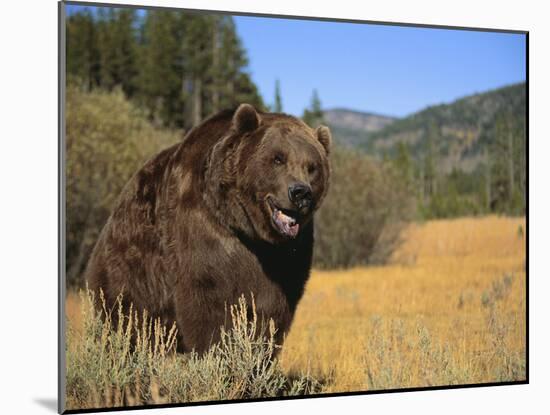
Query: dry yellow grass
x=73 y=310
x=450 y=309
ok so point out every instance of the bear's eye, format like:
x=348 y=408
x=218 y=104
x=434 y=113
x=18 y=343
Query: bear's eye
x=279 y=159
x=312 y=168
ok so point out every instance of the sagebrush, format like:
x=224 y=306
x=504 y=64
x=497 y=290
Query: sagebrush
x=129 y=359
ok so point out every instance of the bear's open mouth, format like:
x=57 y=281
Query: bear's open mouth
x=284 y=220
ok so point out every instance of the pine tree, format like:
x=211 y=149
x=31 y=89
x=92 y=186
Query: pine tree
x=488 y=180
x=521 y=155
x=117 y=49
x=215 y=72
x=313 y=116
x=237 y=86
x=233 y=60
x=127 y=49
x=403 y=164
x=197 y=52
x=278 y=106
x=82 y=49
x=502 y=175
x=431 y=159
x=161 y=68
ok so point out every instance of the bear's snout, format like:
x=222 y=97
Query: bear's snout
x=300 y=195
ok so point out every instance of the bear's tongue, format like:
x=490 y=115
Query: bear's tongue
x=286 y=224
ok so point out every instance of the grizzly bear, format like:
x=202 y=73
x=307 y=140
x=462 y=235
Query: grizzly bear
x=226 y=212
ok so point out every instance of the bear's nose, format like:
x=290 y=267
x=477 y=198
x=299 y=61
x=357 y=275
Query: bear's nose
x=300 y=194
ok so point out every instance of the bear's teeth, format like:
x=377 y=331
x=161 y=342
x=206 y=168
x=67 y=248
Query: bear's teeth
x=289 y=221
x=286 y=224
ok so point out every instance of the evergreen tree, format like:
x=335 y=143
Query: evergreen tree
x=508 y=167
x=403 y=164
x=521 y=162
x=233 y=58
x=197 y=53
x=237 y=86
x=82 y=49
x=278 y=106
x=117 y=49
x=246 y=92
x=215 y=72
x=488 y=181
x=161 y=68
x=431 y=159
x=313 y=116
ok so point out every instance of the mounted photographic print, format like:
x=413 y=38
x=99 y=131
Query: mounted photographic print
x=260 y=207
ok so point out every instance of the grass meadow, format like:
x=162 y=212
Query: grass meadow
x=450 y=308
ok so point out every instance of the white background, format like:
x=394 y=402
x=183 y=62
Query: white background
x=28 y=203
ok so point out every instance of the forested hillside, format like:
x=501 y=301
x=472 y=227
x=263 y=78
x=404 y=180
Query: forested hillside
x=466 y=157
x=462 y=127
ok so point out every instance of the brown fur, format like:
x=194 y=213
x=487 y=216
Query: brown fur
x=192 y=229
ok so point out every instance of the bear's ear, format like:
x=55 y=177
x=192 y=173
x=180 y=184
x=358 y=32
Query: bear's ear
x=324 y=137
x=245 y=119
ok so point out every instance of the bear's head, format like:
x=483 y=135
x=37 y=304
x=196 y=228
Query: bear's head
x=268 y=174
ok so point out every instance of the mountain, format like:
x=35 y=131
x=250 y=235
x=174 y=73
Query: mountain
x=353 y=128
x=460 y=130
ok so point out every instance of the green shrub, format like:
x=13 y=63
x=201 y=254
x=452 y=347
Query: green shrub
x=363 y=214
x=107 y=140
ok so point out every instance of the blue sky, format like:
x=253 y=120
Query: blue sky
x=390 y=70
